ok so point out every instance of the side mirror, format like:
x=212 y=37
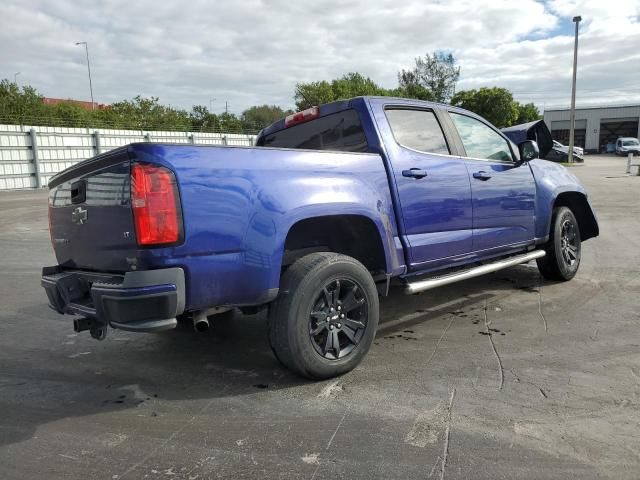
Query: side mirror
x=528 y=150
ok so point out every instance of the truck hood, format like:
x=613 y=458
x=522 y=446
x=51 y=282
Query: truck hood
x=536 y=131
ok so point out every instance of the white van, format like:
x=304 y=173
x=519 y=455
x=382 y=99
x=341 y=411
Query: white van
x=627 y=145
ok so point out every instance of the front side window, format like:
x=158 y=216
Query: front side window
x=480 y=141
x=417 y=129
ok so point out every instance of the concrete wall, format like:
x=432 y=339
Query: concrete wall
x=591 y=117
x=30 y=156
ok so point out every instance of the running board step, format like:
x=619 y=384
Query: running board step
x=429 y=283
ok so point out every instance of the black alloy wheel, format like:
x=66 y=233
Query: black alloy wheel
x=338 y=319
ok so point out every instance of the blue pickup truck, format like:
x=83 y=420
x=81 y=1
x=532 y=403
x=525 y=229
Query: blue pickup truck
x=313 y=223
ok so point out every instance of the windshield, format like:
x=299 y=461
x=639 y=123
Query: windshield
x=630 y=143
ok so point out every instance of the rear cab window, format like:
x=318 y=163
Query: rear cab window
x=341 y=131
x=417 y=130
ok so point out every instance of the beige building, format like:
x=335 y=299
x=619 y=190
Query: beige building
x=596 y=126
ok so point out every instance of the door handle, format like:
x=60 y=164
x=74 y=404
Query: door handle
x=482 y=175
x=416 y=173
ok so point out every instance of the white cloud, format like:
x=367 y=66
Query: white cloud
x=254 y=51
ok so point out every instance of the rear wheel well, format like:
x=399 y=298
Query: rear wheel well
x=578 y=204
x=353 y=235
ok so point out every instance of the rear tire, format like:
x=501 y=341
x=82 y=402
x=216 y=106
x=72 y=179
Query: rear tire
x=563 y=248
x=325 y=317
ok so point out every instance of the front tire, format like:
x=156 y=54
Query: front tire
x=324 y=320
x=563 y=248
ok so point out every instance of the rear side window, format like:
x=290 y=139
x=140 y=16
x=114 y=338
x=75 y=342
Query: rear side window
x=417 y=129
x=340 y=131
x=480 y=141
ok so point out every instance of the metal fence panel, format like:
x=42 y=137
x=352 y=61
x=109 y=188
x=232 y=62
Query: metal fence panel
x=57 y=148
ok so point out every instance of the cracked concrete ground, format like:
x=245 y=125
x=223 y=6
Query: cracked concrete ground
x=504 y=376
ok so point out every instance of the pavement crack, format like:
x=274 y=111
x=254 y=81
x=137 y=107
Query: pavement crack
x=319 y=460
x=447 y=436
x=169 y=438
x=435 y=349
x=493 y=347
x=435 y=465
x=337 y=428
x=544 y=319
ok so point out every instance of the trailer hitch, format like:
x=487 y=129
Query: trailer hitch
x=96 y=329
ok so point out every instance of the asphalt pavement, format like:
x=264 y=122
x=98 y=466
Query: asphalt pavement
x=504 y=376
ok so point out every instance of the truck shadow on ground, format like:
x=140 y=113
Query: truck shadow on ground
x=233 y=359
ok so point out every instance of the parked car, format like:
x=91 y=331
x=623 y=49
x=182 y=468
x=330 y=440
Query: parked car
x=549 y=149
x=560 y=153
x=579 y=151
x=312 y=224
x=627 y=145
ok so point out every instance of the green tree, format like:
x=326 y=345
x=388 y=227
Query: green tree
x=228 y=122
x=260 y=116
x=527 y=113
x=16 y=102
x=435 y=73
x=494 y=104
x=149 y=114
x=414 y=90
x=67 y=114
x=202 y=120
x=351 y=85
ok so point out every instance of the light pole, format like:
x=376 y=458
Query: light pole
x=15 y=77
x=572 y=121
x=86 y=48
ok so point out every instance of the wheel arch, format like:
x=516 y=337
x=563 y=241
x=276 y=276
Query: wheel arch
x=353 y=234
x=578 y=203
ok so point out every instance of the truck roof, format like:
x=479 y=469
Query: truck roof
x=338 y=106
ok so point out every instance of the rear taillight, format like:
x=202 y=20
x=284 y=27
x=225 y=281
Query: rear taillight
x=156 y=205
x=301 y=117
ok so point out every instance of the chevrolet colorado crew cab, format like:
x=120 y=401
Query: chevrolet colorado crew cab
x=313 y=223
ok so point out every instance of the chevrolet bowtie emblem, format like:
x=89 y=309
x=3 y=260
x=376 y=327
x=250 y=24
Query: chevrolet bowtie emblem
x=79 y=216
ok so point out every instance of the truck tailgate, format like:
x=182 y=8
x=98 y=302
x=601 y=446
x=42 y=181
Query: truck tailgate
x=90 y=217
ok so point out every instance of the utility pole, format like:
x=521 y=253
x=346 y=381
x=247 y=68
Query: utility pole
x=572 y=121
x=86 y=48
x=15 y=77
x=211 y=100
x=226 y=107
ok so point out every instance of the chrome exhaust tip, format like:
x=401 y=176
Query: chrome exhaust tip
x=200 y=322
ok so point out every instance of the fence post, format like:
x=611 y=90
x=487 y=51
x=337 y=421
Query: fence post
x=36 y=160
x=96 y=142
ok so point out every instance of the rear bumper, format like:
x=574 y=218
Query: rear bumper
x=144 y=301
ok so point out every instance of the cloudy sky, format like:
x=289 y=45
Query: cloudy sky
x=250 y=52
